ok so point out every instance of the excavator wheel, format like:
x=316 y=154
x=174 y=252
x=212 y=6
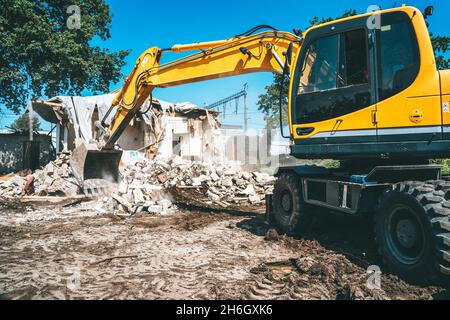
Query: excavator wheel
x=290 y=212
x=412 y=229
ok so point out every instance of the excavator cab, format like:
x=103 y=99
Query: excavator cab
x=368 y=90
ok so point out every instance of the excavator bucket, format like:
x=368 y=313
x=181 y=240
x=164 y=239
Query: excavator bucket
x=88 y=162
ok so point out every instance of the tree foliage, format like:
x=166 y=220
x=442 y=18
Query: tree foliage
x=269 y=102
x=441 y=45
x=347 y=13
x=21 y=124
x=40 y=56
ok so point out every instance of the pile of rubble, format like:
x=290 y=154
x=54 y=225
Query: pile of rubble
x=12 y=187
x=55 y=179
x=151 y=185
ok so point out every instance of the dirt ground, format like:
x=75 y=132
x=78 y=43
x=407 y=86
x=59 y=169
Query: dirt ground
x=82 y=252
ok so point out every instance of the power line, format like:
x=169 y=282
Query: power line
x=226 y=100
x=241 y=113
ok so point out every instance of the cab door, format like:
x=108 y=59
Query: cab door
x=335 y=101
x=408 y=107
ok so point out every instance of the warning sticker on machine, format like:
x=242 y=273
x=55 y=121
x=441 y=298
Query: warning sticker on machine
x=445 y=107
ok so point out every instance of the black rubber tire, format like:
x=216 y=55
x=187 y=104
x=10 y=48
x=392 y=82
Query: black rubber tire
x=426 y=205
x=299 y=216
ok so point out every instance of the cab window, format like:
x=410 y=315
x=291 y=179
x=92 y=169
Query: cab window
x=354 y=63
x=334 y=77
x=398 y=54
x=319 y=67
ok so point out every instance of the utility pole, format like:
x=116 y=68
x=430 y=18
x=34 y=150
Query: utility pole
x=30 y=121
x=245 y=109
x=269 y=136
x=235 y=97
x=29 y=156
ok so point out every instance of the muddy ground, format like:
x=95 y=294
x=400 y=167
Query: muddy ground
x=81 y=252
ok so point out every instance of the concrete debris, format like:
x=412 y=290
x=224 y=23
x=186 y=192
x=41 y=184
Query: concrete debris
x=125 y=205
x=215 y=182
x=12 y=187
x=15 y=181
x=138 y=196
x=254 y=199
x=249 y=190
x=28 y=187
x=55 y=179
x=148 y=186
x=123 y=188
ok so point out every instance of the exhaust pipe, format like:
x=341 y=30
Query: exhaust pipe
x=88 y=162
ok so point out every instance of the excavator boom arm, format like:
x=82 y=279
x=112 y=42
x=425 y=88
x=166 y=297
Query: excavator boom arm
x=262 y=52
x=217 y=59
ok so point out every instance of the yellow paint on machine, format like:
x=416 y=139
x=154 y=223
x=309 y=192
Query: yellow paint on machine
x=445 y=85
x=423 y=94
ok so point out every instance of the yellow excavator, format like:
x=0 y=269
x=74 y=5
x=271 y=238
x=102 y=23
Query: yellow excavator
x=364 y=90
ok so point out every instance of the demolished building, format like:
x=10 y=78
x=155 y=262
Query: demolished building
x=163 y=128
x=172 y=153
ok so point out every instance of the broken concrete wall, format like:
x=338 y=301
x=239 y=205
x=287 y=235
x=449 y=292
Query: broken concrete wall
x=133 y=137
x=251 y=149
x=11 y=151
x=164 y=129
x=190 y=138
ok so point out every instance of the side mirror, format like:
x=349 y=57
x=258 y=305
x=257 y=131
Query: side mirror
x=428 y=11
x=297 y=32
x=288 y=56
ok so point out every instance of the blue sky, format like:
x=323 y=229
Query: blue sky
x=139 y=24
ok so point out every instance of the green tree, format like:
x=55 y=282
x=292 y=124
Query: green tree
x=269 y=102
x=21 y=124
x=441 y=45
x=44 y=53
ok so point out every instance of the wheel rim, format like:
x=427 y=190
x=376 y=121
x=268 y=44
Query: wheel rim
x=286 y=203
x=404 y=235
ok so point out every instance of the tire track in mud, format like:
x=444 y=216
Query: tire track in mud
x=171 y=262
x=197 y=261
x=190 y=256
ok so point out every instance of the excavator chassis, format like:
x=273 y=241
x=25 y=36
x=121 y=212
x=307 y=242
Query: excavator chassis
x=408 y=204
